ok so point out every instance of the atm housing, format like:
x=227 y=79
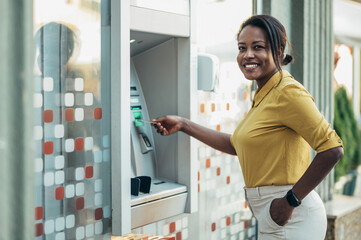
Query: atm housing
x=160 y=84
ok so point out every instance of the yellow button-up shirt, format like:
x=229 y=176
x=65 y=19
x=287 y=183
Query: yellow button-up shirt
x=272 y=142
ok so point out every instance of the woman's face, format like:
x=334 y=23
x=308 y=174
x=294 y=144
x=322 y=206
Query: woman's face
x=255 y=57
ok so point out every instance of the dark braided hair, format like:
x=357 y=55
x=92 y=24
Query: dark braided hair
x=276 y=35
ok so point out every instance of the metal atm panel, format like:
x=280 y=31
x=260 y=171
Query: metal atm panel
x=164 y=198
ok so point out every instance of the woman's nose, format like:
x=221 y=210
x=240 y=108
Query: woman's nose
x=249 y=53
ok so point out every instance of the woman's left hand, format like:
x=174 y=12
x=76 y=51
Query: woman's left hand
x=280 y=211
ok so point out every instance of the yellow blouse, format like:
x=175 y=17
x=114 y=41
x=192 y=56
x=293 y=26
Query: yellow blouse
x=272 y=142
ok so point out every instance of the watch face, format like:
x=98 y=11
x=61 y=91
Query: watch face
x=292 y=199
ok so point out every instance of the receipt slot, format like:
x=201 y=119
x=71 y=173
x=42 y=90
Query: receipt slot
x=152 y=198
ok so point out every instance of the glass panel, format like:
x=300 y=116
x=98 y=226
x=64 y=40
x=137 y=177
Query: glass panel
x=72 y=119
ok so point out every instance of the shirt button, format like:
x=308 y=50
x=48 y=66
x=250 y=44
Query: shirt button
x=339 y=141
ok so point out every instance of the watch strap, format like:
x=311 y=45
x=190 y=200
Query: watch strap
x=292 y=199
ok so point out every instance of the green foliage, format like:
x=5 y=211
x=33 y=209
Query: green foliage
x=346 y=127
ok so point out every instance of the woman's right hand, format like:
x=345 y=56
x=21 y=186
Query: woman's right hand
x=168 y=125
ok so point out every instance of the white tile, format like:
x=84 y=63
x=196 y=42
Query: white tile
x=59 y=224
x=48 y=84
x=79 y=173
x=59 y=162
x=106 y=155
x=59 y=131
x=106 y=211
x=69 y=145
x=79 y=84
x=79 y=189
x=88 y=143
x=70 y=221
x=48 y=179
x=69 y=99
x=49 y=226
x=106 y=141
x=88 y=99
x=98 y=227
x=98 y=199
x=89 y=230
x=98 y=185
x=38 y=164
x=79 y=114
x=38 y=132
x=60 y=236
x=59 y=177
x=38 y=100
x=79 y=233
x=98 y=156
x=69 y=191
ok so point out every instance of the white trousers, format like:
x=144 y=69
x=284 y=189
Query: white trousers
x=308 y=221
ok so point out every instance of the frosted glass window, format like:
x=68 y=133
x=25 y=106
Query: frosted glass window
x=69 y=99
x=88 y=99
x=48 y=84
x=98 y=185
x=38 y=132
x=106 y=155
x=79 y=84
x=60 y=236
x=98 y=227
x=106 y=141
x=59 y=131
x=38 y=100
x=79 y=114
x=106 y=211
x=98 y=156
x=98 y=199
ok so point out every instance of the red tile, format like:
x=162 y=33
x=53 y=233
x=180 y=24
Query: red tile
x=59 y=193
x=98 y=214
x=97 y=113
x=213 y=227
x=79 y=144
x=228 y=221
x=178 y=236
x=208 y=163
x=48 y=147
x=39 y=229
x=245 y=204
x=228 y=179
x=69 y=114
x=89 y=172
x=245 y=224
x=219 y=171
x=199 y=187
x=39 y=213
x=172 y=227
x=79 y=203
x=48 y=116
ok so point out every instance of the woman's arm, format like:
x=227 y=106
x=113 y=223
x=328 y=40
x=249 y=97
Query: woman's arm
x=168 y=125
x=321 y=165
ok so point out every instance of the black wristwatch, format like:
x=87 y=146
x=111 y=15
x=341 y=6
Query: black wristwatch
x=292 y=199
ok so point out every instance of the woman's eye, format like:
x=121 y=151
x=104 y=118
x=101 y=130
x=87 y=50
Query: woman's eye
x=258 y=47
x=241 y=48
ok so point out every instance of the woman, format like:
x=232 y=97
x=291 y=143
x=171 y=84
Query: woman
x=272 y=142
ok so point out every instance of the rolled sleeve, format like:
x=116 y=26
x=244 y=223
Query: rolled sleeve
x=299 y=112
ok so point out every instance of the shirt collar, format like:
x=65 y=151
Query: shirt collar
x=272 y=82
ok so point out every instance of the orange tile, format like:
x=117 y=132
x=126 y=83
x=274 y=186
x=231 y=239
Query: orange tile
x=245 y=204
x=89 y=172
x=59 y=193
x=213 y=227
x=39 y=213
x=97 y=113
x=69 y=114
x=48 y=147
x=199 y=187
x=199 y=176
x=228 y=221
x=172 y=227
x=227 y=106
x=218 y=171
x=245 y=95
x=79 y=144
x=228 y=179
x=213 y=106
x=48 y=116
x=218 y=128
x=202 y=108
x=208 y=163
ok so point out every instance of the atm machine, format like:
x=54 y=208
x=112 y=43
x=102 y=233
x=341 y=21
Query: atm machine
x=152 y=199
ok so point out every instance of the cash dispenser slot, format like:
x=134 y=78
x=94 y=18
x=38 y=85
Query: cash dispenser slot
x=152 y=198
